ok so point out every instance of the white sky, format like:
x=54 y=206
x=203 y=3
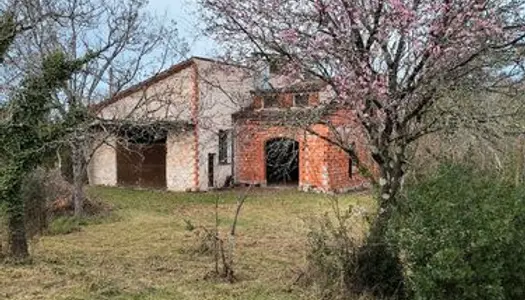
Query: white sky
x=184 y=13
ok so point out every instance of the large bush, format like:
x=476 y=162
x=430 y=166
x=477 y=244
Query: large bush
x=461 y=235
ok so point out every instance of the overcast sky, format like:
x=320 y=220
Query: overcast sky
x=184 y=13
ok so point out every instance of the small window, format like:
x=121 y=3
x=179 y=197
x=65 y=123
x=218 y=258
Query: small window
x=223 y=147
x=301 y=100
x=271 y=101
x=350 y=168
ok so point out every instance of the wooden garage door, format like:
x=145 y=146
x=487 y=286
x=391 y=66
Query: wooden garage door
x=142 y=165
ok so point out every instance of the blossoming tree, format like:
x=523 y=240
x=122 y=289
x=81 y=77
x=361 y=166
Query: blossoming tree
x=388 y=61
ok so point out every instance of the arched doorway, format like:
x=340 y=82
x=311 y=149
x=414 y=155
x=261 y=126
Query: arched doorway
x=282 y=161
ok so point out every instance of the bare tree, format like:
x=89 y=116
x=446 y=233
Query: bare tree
x=133 y=44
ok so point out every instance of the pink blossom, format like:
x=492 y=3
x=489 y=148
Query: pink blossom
x=289 y=35
x=395 y=57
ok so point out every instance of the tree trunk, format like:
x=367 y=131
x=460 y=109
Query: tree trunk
x=392 y=175
x=17 y=229
x=380 y=271
x=78 y=177
x=391 y=181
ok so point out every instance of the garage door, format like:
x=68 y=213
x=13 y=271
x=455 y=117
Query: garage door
x=142 y=165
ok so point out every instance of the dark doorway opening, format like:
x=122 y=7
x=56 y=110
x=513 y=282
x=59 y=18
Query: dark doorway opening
x=142 y=165
x=282 y=161
x=211 y=170
x=141 y=157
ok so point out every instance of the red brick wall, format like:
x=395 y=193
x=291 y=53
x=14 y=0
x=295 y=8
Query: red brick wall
x=338 y=169
x=322 y=165
x=312 y=169
x=257 y=102
x=195 y=99
x=285 y=100
x=313 y=100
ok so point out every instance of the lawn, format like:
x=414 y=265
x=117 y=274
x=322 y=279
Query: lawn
x=144 y=250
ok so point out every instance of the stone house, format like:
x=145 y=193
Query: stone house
x=177 y=132
x=203 y=124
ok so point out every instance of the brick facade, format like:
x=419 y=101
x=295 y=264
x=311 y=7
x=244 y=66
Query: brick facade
x=322 y=165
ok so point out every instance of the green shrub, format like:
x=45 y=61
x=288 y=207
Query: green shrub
x=461 y=235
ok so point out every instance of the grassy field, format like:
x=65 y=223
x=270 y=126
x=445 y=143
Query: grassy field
x=144 y=250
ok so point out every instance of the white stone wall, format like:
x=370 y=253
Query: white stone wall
x=102 y=169
x=167 y=99
x=223 y=90
x=180 y=161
